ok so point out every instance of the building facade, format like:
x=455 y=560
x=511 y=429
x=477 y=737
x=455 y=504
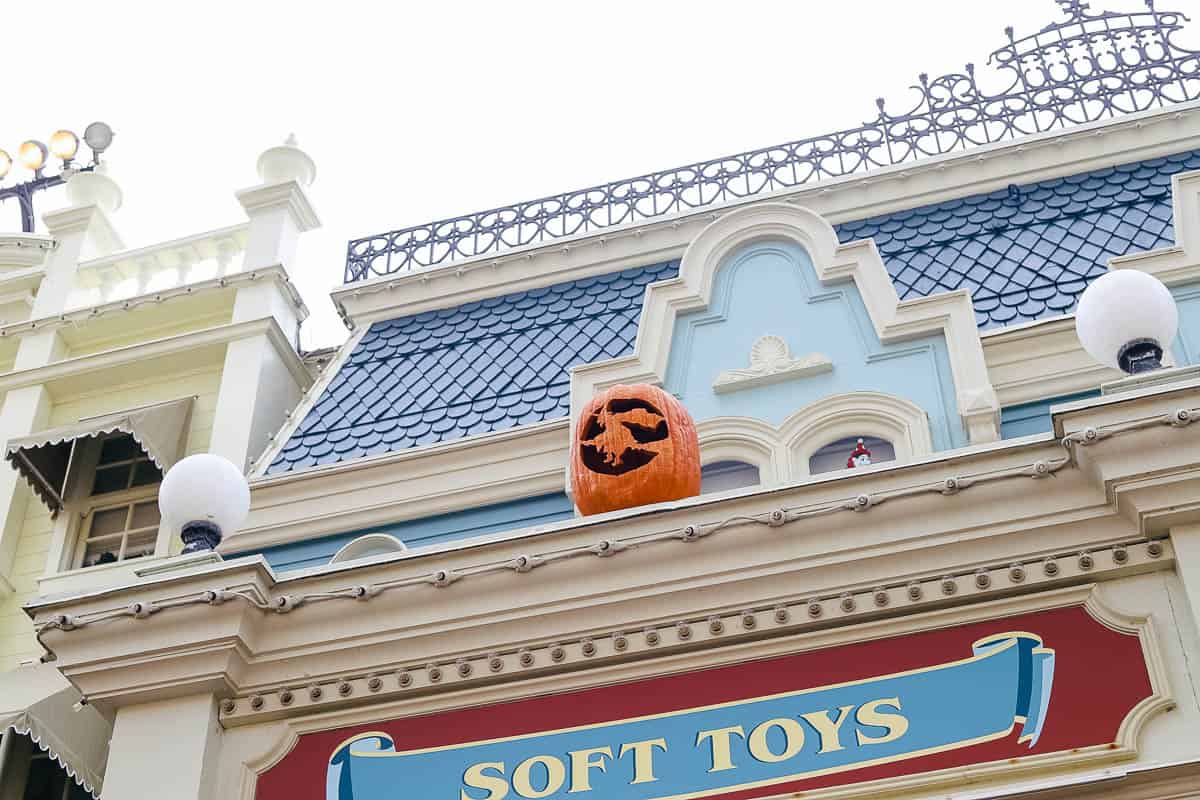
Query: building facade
x=117 y=363
x=938 y=550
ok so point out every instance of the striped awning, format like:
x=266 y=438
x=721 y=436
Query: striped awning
x=38 y=702
x=44 y=458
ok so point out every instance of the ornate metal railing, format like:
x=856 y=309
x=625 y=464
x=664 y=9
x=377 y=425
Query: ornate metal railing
x=1092 y=66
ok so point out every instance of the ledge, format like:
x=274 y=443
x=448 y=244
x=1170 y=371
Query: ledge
x=145 y=353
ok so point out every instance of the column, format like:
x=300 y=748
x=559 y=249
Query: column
x=167 y=750
x=27 y=410
x=257 y=389
x=1185 y=539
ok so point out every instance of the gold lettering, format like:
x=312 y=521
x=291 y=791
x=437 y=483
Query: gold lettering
x=830 y=739
x=869 y=714
x=643 y=758
x=582 y=763
x=556 y=775
x=761 y=750
x=719 y=738
x=497 y=787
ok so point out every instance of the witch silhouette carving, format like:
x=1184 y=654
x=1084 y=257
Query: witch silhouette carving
x=634 y=445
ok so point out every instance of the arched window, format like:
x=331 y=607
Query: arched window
x=834 y=456
x=722 y=476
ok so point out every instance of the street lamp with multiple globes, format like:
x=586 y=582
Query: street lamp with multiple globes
x=33 y=154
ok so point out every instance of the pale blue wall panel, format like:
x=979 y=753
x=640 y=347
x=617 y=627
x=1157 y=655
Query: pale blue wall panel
x=1030 y=418
x=497 y=518
x=772 y=288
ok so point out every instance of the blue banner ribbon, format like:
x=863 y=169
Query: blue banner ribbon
x=700 y=751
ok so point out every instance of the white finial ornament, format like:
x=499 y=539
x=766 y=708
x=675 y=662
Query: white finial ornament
x=287 y=162
x=94 y=188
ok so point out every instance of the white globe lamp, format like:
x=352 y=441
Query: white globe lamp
x=204 y=497
x=1127 y=319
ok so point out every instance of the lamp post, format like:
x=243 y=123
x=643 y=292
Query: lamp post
x=33 y=154
x=204 y=497
x=1127 y=319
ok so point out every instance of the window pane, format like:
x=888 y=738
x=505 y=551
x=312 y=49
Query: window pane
x=103 y=552
x=145 y=515
x=140 y=544
x=119 y=448
x=110 y=520
x=835 y=455
x=111 y=479
x=146 y=472
x=723 y=476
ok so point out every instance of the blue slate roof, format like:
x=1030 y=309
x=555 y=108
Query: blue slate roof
x=476 y=368
x=1023 y=253
x=1028 y=252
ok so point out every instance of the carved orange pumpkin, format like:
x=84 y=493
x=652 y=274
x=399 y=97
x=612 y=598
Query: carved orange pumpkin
x=633 y=445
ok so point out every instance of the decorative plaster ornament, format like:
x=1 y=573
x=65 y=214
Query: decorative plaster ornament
x=861 y=457
x=635 y=445
x=771 y=362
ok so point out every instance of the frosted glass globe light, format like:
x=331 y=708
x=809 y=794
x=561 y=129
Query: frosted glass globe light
x=98 y=137
x=64 y=145
x=32 y=155
x=1126 y=319
x=204 y=497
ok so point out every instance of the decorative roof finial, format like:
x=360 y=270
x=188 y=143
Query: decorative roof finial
x=286 y=162
x=1075 y=9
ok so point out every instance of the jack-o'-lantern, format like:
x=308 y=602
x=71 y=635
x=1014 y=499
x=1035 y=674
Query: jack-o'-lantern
x=633 y=445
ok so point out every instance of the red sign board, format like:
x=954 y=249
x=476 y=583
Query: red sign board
x=466 y=749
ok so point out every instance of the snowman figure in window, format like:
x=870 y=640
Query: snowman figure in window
x=861 y=457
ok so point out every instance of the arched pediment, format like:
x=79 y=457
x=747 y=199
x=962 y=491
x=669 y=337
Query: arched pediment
x=782 y=453
x=770 y=314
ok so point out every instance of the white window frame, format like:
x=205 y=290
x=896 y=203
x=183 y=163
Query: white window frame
x=68 y=539
x=109 y=501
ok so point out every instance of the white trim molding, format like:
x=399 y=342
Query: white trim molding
x=782 y=453
x=771 y=361
x=902 y=423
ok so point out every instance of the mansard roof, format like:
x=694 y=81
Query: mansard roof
x=1024 y=253
x=1027 y=252
x=476 y=368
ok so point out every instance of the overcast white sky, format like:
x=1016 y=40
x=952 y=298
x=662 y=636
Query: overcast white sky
x=419 y=110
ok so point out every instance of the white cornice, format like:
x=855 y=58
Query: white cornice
x=79 y=315
x=24 y=251
x=984 y=169
x=288 y=194
x=77 y=219
x=160 y=348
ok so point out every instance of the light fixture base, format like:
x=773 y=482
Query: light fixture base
x=1140 y=355
x=200 y=536
x=1155 y=380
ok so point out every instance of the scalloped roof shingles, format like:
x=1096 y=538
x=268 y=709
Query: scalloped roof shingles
x=1028 y=252
x=481 y=367
x=1024 y=253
